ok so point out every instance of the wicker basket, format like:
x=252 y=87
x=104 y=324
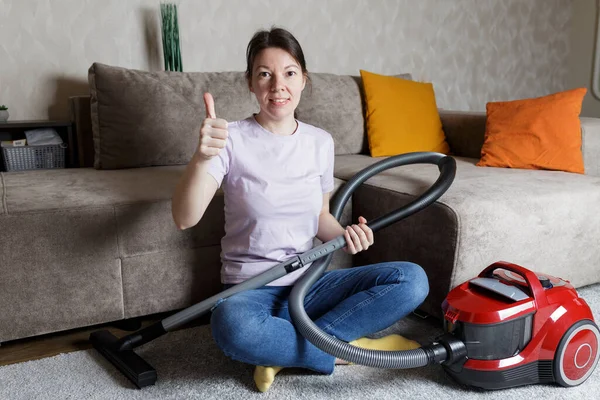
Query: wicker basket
x=22 y=158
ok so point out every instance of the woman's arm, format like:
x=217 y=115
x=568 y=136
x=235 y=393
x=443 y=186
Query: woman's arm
x=197 y=187
x=193 y=193
x=358 y=237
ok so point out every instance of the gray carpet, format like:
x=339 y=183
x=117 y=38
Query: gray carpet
x=190 y=366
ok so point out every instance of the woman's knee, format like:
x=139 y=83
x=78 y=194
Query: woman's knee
x=412 y=278
x=235 y=324
x=417 y=279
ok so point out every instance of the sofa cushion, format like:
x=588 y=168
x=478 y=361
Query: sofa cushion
x=140 y=198
x=71 y=188
x=538 y=219
x=144 y=118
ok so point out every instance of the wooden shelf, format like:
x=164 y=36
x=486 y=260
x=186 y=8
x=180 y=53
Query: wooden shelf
x=36 y=123
x=16 y=129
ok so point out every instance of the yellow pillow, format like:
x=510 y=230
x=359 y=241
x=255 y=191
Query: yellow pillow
x=402 y=116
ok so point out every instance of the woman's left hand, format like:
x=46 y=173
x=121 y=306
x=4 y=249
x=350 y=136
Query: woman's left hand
x=358 y=237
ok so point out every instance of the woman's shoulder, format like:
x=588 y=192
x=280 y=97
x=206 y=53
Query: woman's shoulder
x=241 y=124
x=313 y=130
x=240 y=127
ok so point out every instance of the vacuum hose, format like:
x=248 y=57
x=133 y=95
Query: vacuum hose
x=447 y=349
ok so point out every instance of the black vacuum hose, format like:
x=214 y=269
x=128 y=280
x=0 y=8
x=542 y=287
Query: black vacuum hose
x=436 y=353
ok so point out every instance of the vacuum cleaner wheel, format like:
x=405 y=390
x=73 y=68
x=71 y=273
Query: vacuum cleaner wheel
x=577 y=354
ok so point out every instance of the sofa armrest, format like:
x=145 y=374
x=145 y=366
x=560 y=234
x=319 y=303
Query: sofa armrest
x=590 y=145
x=464 y=131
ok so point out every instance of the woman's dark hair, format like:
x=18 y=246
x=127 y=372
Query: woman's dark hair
x=276 y=37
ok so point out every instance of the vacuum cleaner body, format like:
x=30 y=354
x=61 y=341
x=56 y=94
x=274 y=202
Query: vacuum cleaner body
x=519 y=328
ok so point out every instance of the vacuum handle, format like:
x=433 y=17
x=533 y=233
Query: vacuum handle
x=446 y=165
x=530 y=277
x=322 y=250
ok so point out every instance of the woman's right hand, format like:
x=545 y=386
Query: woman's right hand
x=213 y=133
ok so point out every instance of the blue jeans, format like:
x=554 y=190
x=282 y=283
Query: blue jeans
x=255 y=327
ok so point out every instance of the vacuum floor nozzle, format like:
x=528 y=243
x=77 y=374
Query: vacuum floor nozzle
x=130 y=364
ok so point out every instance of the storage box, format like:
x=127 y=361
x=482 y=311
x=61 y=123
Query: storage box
x=22 y=158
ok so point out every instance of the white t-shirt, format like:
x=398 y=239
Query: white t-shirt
x=273 y=188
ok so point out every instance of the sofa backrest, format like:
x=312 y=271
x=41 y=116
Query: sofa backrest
x=139 y=118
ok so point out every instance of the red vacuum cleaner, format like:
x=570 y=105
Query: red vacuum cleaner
x=519 y=328
x=507 y=327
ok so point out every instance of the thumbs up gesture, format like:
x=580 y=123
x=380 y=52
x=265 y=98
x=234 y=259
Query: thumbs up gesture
x=213 y=133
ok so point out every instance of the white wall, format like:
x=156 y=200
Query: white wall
x=472 y=50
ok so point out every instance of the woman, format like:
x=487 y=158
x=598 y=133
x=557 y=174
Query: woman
x=277 y=175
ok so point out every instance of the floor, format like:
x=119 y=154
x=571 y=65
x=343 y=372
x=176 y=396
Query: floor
x=74 y=340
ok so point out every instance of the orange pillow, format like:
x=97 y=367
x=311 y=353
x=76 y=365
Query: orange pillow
x=537 y=133
x=402 y=116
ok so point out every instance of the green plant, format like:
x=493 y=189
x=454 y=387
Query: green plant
x=3 y=107
x=170 y=37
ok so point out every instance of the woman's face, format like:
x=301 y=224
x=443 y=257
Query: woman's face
x=277 y=82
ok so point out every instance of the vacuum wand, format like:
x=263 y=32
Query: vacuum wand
x=184 y=316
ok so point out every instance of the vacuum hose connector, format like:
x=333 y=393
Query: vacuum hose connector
x=436 y=353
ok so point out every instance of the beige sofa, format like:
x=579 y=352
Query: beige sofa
x=90 y=245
